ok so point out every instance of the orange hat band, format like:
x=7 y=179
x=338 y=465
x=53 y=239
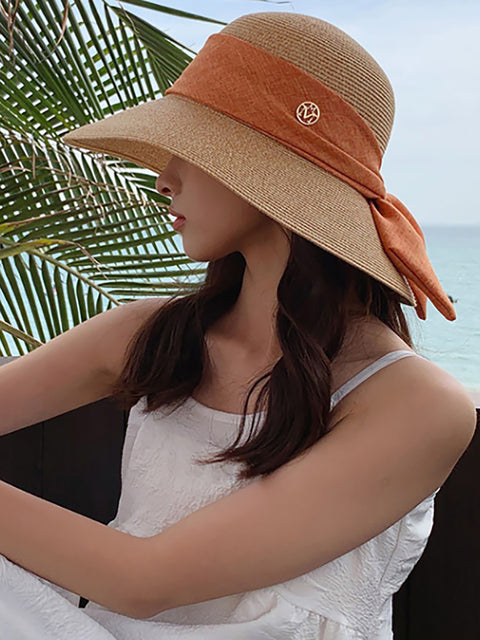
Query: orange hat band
x=284 y=102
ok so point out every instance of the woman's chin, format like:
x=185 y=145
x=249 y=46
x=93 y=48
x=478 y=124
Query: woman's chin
x=204 y=253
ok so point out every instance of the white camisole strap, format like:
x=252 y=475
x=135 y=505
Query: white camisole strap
x=372 y=368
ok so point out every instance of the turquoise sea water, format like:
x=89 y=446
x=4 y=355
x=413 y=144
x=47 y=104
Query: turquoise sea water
x=453 y=345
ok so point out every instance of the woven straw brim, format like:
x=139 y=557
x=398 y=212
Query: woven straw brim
x=290 y=189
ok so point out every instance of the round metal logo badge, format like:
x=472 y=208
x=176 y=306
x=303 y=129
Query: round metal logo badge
x=308 y=113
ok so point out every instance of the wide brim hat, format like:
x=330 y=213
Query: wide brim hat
x=284 y=185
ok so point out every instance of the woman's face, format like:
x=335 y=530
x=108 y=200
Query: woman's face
x=217 y=221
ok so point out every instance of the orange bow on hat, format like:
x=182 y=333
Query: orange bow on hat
x=284 y=102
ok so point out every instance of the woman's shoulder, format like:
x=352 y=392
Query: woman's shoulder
x=365 y=342
x=122 y=323
x=412 y=377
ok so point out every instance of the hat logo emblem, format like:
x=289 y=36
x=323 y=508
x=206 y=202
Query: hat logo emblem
x=308 y=113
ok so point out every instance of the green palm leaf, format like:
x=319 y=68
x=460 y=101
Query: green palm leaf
x=79 y=232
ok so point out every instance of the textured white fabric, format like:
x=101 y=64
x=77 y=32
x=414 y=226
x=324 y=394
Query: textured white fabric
x=349 y=598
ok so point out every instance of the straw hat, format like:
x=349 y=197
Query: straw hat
x=293 y=115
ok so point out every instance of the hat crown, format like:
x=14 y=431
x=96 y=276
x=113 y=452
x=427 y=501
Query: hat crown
x=328 y=54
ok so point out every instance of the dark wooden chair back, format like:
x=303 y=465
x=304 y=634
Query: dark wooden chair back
x=74 y=460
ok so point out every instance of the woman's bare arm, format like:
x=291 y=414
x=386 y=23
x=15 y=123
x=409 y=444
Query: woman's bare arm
x=67 y=548
x=75 y=368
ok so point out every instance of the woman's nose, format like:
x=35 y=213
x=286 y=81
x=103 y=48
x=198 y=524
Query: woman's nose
x=162 y=186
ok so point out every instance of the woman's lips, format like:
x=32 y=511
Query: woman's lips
x=179 y=222
x=179 y=219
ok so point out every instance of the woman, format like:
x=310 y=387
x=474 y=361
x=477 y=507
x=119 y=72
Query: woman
x=304 y=524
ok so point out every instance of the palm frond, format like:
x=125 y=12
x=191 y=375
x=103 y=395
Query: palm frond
x=80 y=232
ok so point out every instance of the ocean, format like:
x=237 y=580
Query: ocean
x=454 y=346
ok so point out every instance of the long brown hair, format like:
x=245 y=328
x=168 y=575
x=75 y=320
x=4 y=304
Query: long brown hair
x=165 y=358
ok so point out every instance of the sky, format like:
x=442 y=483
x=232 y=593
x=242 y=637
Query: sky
x=430 y=51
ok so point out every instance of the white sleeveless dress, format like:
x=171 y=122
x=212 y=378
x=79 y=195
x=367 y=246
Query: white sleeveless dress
x=349 y=598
